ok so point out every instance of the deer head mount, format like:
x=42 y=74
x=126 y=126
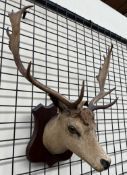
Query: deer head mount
x=74 y=127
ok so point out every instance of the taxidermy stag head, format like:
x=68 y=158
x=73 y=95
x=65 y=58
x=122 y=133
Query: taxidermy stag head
x=74 y=127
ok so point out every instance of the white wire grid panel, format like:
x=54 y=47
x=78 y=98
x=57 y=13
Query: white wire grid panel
x=64 y=53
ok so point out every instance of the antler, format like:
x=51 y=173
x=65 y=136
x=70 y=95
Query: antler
x=101 y=77
x=14 y=39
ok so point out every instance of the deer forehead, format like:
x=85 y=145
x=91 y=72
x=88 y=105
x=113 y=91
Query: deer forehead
x=87 y=115
x=80 y=118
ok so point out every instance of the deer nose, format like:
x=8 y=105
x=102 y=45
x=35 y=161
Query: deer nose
x=105 y=164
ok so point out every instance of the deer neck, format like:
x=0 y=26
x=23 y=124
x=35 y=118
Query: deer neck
x=53 y=138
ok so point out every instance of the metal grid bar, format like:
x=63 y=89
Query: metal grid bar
x=65 y=49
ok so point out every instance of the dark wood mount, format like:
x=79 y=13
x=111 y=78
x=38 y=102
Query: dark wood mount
x=36 y=151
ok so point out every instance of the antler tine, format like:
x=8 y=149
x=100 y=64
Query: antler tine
x=14 y=47
x=93 y=107
x=80 y=96
x=101 y=77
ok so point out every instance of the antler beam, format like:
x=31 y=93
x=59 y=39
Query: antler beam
x=14 y=39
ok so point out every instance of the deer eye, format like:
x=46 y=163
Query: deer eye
x=73 y=130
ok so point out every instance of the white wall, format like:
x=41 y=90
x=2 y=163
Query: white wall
x=16 y=101
x=99 y=13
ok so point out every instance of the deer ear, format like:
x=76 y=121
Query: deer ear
x=58 y=103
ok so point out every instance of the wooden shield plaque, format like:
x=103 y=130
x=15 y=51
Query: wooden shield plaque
x=36 y=151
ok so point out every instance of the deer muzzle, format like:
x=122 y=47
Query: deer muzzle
x=98 y=159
